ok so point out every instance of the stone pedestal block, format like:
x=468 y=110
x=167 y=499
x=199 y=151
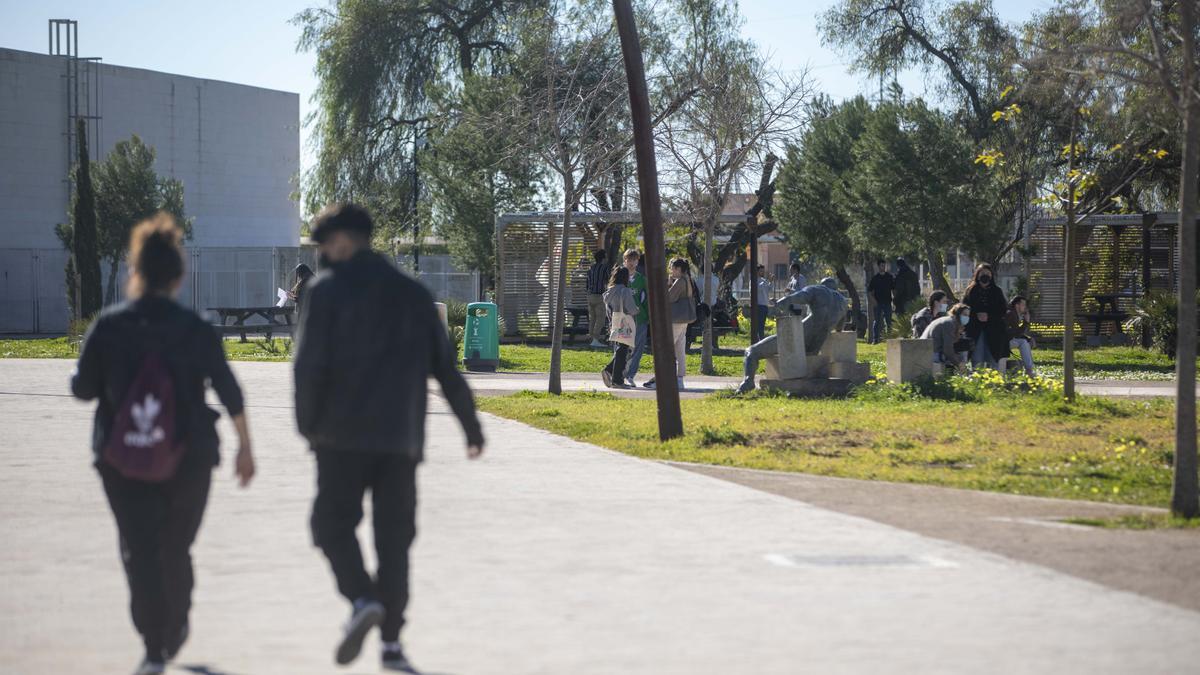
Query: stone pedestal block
x=771 y=368
x=793 y=362
x=840 y=347
x=809 y=387
x=908 y=360
x=855 y=372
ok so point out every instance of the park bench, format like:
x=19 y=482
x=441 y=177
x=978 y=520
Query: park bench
x=277 y=320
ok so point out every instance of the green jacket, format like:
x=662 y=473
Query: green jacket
x=638 y=286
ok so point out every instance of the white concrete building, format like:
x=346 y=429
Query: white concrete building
x=235 y=148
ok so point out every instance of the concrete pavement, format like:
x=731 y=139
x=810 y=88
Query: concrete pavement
x=548 y=556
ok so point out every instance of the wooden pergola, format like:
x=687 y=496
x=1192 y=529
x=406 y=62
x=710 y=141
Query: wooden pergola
x=1120 y=258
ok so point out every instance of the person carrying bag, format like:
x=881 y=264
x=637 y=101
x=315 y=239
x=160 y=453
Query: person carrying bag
x=622 y=308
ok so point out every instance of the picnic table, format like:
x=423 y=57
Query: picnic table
x=1107 y=304
x=278 y=319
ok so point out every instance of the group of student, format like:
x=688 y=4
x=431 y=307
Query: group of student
x=981 y=329
x=628 y=315
x=369 y=338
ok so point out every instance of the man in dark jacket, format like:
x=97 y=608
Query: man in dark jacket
x=369 y=339
x=880 y=288
x=908 y=286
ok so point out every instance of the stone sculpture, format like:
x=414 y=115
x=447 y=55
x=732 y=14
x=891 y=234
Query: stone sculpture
x=826 y=311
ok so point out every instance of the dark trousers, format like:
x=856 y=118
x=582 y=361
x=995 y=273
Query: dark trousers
x=760 y=322
x=157 y=523
x=616 y=365
x=882 y=322
x=342 y=479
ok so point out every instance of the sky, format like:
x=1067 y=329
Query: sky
x=254 y=42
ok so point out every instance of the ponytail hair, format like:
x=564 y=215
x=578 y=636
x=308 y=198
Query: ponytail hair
x=155 y=256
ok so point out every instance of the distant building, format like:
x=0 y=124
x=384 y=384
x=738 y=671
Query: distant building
x=235 y=148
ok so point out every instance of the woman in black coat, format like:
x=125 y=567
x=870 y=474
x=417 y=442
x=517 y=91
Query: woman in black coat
x=987 y=330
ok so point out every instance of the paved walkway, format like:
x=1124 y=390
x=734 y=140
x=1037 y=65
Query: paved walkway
x=549 y=556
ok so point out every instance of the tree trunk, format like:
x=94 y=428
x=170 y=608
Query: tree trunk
x=1185 y=492
x=1069 y=274
x=855 y=303
x=937 y=273
x=706 y=350
x=560 y=296
x=670 y=418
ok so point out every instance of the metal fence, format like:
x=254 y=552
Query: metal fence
x=33 y=292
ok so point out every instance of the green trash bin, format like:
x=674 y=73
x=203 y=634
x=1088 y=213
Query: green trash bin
x=481 y=338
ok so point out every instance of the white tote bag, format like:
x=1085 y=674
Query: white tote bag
x=623 y=329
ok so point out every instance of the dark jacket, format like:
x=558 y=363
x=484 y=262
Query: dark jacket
x=908 y=287
x=990 y=300
x=881 y=287
x=112 y=355
x=1016 y=325
x=921 y=320
x=369 y=340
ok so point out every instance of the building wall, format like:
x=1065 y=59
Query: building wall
x=235 y=148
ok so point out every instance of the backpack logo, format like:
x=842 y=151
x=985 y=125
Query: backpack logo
x=145 y=416
x=142 y=442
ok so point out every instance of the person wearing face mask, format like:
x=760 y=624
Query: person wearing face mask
x=987 y=330
x=945 y=332
x=936 y=308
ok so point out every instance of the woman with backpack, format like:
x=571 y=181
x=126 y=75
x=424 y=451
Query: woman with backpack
x=154 y=440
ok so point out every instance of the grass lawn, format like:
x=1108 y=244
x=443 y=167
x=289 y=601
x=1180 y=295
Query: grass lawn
x=1110 y=363
x=1020 y=443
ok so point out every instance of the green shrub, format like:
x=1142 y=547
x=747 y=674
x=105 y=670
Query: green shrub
x=1159 y=310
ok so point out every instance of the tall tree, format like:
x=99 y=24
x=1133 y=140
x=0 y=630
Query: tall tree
x=817 y=167
x=85 y=258
x=391 y=73
x=1153 y=44
x=914 y=187
x=129 y=190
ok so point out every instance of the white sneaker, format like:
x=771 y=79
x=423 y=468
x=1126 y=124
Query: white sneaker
x=151 y=668
x=598 y=344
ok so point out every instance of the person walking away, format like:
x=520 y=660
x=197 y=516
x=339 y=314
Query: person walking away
x=796 y=279
x=154 y=440
x=880 y=287
x=637 y=283
x=987 y=330
x=908 y=286
x=369 y=341
x=597 y=276
x=621 y=309
x=1017 y=323
x=762 y=298
x=303 y=274
x=934 y=309
x=946 y=331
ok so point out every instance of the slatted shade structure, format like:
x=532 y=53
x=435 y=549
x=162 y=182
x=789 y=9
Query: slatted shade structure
x=527 y=253
x=1119 y=256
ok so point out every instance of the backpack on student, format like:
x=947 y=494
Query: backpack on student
x=142 y=444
